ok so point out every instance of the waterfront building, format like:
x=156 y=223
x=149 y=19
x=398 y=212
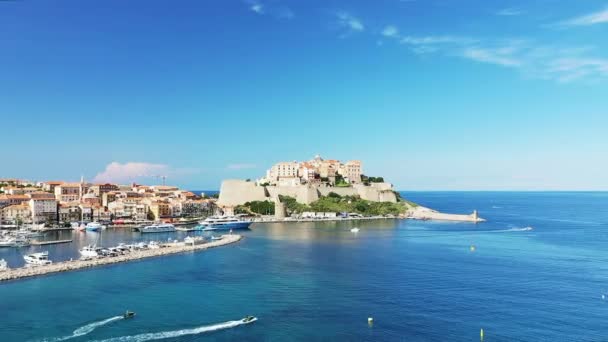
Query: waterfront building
x=15 y=213
x=69 y=212
x=6 y=200
x=159 y=209
x=43 y=209
x=86 y=212
x=90 y=199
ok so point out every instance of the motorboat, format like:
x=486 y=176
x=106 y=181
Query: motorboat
x=193 y=240
x=89 y=251
x=214 y=238
x=354 y=230
x=93 y=227
x=224 y=222
x=7 y=242
x=158 y=228
x=249 y=319
x=37 y=259
x=128 y=314
x=3 y=265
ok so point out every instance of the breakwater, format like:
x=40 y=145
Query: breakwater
x=72 y=265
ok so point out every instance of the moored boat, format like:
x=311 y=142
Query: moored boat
x=3 y=265
x=89 y=251
x=224 y=223
x=158 y=228
x=37 y=259
x=93 y=227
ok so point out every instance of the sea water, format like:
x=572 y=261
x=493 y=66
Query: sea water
x=537 y=270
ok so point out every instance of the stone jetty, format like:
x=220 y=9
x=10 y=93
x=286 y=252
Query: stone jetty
x=72 y=265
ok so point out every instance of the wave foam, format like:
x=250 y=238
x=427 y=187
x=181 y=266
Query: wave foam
x=85 y=329
x=175 y=333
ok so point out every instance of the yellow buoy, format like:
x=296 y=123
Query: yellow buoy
x=481 y=335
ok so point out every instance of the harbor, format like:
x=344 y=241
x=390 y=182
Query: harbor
x=73 y=265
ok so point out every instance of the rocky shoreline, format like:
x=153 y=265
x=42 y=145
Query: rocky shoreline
x=72 y=265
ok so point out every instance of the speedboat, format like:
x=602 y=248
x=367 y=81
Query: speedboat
x=249 y=319
x=93 y=227
x=3 y=265
x=158 y=228
x=37 y=259
x=89 y=251
x=224 y=222
x=128 y=314
x=7 y=242
x=354 y=230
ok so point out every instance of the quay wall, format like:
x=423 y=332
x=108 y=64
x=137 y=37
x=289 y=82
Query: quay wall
x=72 y=265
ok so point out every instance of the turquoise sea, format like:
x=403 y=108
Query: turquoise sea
x=538 y=272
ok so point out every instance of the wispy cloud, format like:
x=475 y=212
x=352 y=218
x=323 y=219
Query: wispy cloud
x=600 y=17
x=390 y=31
x=116 y=172
x=493 y=56
x=256 y=7
x=242 y=166
x=562 y=64
x=350 y=22
x=509 y=12
x=270 y=9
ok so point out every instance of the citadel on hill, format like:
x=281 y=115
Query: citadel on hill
x=307 y=181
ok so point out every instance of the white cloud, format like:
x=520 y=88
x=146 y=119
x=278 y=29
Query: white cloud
x=509 y=12
x=257 y=8
x=390 y=31
x=347 y=20
x=116 y=172
x=241 y=166
x=500 y=56
x=600 y=17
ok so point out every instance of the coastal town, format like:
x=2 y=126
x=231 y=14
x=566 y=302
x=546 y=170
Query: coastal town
x=59 y=203
x=308 y=191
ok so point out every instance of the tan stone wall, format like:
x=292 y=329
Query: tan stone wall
x=235 y=192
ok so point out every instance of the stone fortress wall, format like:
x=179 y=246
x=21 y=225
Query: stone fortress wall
x=235 y=192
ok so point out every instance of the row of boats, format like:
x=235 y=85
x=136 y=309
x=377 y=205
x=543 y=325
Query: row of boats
x=209 y=224
x=18 y=238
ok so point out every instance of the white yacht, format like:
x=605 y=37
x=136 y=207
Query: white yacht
x=158 y=228
x=3 y=265
x=224 y=222
x=89 y=251
x=37 y=259
x=7 y=242
x=94 y=226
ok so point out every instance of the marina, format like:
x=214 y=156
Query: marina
x=46 y=267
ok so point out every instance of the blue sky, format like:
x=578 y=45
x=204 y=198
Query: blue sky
x=433 y=95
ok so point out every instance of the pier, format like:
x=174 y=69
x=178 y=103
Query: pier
x=44 y=243
x=72 y=265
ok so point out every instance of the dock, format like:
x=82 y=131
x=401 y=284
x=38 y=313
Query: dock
x=73 y=265
x=44 y=243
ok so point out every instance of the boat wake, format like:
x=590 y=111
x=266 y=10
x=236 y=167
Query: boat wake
x=524 y=229
x=176 y=333
x=84 y=330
